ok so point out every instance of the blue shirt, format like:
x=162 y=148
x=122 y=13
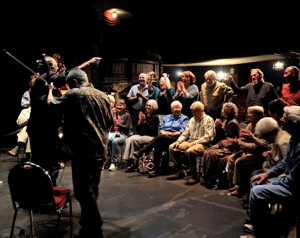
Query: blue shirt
x=174 y=123
x=139 y=105
x=25 y=101
x=290 y=165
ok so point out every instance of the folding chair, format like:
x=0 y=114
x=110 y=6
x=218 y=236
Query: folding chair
x=31 y=189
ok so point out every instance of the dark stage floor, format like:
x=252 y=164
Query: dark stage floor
x=133 y=205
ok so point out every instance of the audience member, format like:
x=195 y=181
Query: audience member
x=276 y=109
x=138 y=96
x=215 y=158
x=187 y=92
x=87 y=120
x=23 y=144
x=268 y=129
x=291 y=91
x=252 y=160
x=162 y=94
x=25 y=101
x=172 y=127
x=249 y=150
x=120 y=130
x=112 y=102
x=259 y=92
x=147 y=129
x=273 y=187
x=197 y=137
x=214 y=94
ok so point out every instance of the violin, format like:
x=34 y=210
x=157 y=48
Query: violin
x=60 y=63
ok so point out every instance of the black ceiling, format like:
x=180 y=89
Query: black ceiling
x=185 y=31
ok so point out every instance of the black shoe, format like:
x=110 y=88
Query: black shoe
x=129 y=169
x=211 y=184
x=137 y=154
x=247 y=220
x=246 y=199
x=84 y=232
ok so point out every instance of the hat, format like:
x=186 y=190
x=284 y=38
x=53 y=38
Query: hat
x=293 y=113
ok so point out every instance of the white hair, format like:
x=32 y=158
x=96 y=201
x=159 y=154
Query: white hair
x=293 y=113
x=266 y=125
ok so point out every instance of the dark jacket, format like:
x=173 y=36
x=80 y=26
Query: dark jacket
x=150 y=128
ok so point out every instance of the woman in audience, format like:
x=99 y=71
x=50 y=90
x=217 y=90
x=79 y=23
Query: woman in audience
x=147 y=129
x=187 y=92
x=112 y=102
x=120 y=131
x=215 y=158
x=163 y=95
x=172 y=127
x=252 y=149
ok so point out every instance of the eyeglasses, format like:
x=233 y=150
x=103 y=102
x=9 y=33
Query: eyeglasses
x=196 y=110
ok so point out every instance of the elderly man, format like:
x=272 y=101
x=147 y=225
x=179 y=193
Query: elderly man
x=87 y=119
x=138 y=96
x=196 y=138
x=274 y=189
x=291 y=91
x=214 y=94
x=259 y=92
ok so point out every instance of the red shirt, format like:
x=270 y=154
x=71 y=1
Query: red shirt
x=292 y=98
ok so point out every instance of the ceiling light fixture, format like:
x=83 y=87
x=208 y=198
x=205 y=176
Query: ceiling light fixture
x=278 y=66
x=221 y=75
x=114 y=14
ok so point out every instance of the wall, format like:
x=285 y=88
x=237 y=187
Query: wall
x=242 y=71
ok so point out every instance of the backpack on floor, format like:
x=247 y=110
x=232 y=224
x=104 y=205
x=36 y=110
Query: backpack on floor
x=145 y=164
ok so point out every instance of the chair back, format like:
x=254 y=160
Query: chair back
x=30 y=186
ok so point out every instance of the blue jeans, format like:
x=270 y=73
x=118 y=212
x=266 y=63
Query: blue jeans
x=115 y=145
x=260 y=197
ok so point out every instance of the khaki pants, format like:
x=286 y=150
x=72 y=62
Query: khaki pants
x=23 y=137
x=178 y=156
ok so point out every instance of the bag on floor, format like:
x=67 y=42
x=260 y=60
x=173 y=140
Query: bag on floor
x=145 y=164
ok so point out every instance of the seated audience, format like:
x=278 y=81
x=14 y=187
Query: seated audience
x=162 y=94
x=215 y=158
x=268 y=129
x=23 y=143
x=273 y=187
x=214 y=94
x=120 y=132
x=147 y=129
x=249 y=149
x=197 y=137
x=172 y=127
x=187 y=92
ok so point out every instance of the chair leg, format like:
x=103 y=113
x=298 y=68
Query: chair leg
x=31 y=223
x=71 y=214
x=57 y=223
x=13 y=223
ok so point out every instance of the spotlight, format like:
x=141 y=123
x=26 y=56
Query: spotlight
x=114 y=14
